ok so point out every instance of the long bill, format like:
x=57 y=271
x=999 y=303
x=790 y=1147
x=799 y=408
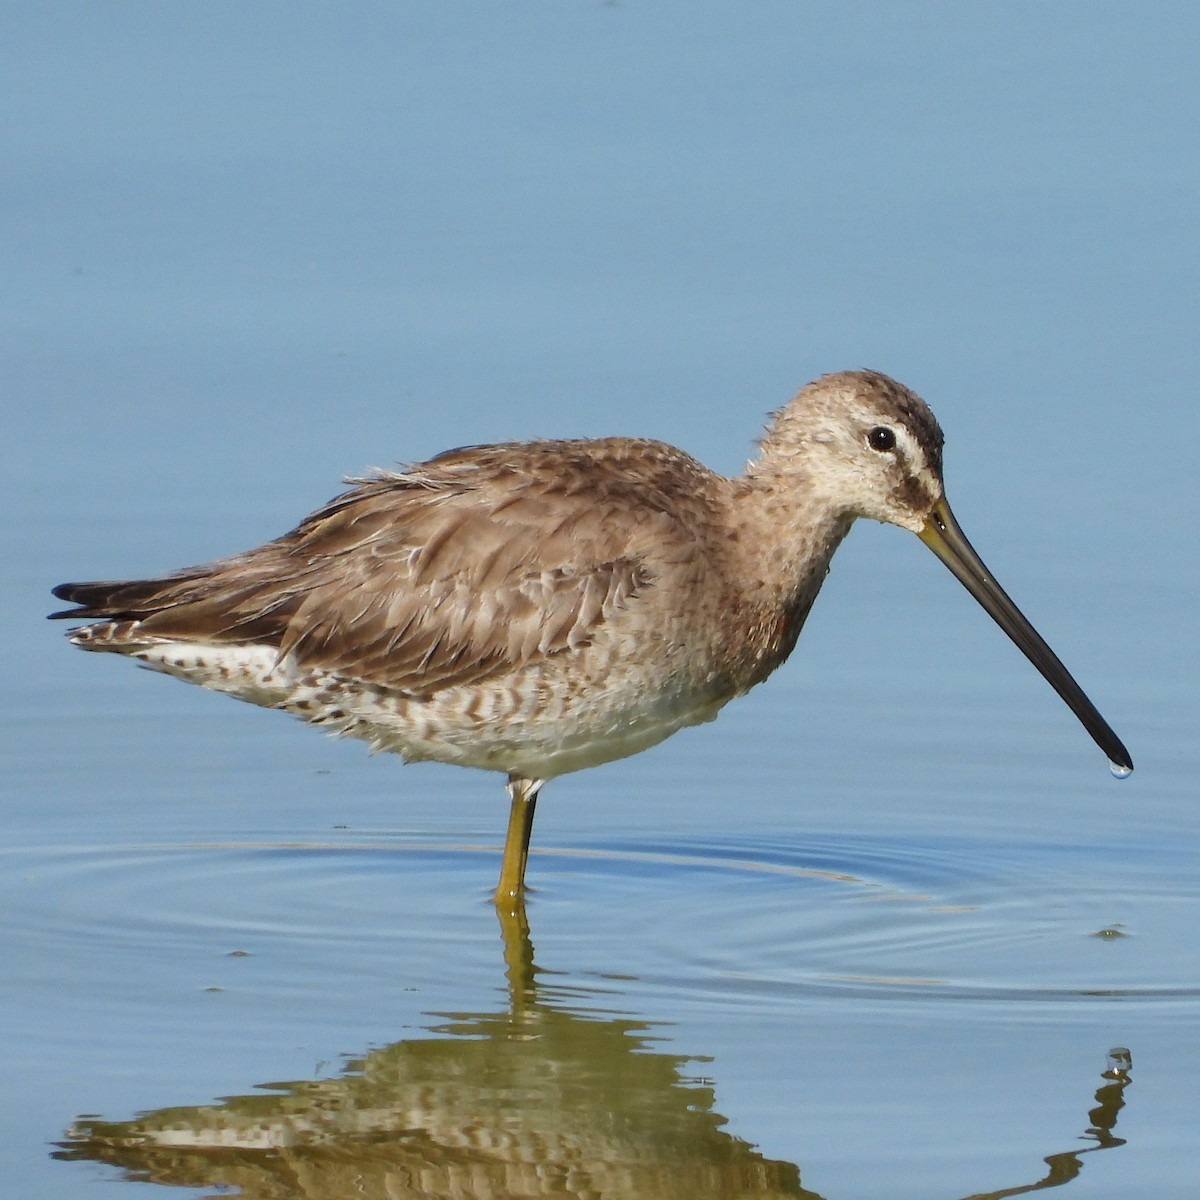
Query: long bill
x=944 y=537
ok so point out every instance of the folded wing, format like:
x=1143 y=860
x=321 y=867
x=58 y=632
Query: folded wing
x=476 y=563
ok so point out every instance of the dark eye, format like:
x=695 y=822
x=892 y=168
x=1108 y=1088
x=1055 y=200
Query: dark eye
x=881 y=438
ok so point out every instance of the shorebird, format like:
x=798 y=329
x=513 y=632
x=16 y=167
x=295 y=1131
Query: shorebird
x=540 y=607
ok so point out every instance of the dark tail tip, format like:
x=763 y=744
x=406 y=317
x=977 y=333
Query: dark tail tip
x=86 y=595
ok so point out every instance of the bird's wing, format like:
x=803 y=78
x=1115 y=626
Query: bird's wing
x=471 y=565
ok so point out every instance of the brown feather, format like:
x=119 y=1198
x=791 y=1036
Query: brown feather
x=482 y=560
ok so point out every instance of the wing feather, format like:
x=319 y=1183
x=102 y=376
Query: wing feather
x=478 y=562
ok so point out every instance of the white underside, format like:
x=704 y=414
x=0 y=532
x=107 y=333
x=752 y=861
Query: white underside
x=533 y=732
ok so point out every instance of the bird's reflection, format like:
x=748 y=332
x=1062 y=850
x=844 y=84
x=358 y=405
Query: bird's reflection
x=1110 y=1099
x=545 y=1097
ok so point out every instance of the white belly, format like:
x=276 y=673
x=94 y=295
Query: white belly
x=539 y=726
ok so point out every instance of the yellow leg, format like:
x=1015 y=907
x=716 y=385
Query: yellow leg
x=511 y=889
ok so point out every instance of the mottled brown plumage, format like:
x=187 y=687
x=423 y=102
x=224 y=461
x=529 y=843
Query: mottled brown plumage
x=540 y=607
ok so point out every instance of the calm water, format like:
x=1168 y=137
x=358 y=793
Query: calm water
x=888 y=928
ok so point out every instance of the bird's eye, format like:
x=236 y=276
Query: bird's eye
x=882 y=438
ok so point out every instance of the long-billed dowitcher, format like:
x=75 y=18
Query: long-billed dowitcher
x=540 y=607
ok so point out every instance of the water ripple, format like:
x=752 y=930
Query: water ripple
x=739 y=922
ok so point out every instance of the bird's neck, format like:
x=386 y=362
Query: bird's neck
x=784 y=538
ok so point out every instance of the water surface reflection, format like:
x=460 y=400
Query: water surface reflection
x=550 y=1095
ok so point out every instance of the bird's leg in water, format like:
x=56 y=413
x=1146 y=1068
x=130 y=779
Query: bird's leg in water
x=511 y=888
